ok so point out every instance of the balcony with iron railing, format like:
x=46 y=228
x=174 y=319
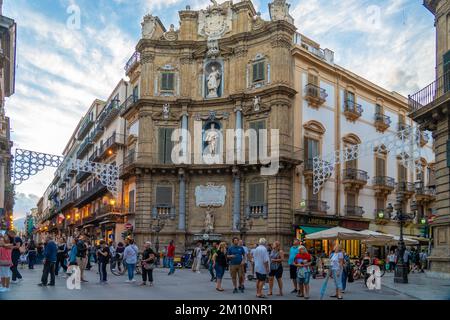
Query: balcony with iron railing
x=431 y=96
x=256 y=210
x=315 y=95
x=382 y=122
x=406 y=188
x=84 y=147
x=81 y=176
x=97 y=133
x=424 y=194
x=85 y=127
x=314 y=207
x=352 y=110
x=109 y=114
x=111 y=144
x=354 y=211
x=92 y=193
x=128 y=103
x=383 y=185
x=132 y=63
x=354 y=178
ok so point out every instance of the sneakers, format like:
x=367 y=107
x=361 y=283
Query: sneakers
x=134 y=280
x=235 y=290
x=14 y=281
x=198 y=272
x=20 y=280
x=42 y=284
x=242 y=289
x=127 y=281
x=294 y=291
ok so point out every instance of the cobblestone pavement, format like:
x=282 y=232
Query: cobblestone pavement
x=186 y=285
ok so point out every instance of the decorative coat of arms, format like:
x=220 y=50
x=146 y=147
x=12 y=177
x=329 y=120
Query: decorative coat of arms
x=279 y=10
x=148 y=26
x=215 y=21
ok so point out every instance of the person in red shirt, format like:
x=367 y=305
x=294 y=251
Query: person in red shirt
x=170 y=256
x=302 y=261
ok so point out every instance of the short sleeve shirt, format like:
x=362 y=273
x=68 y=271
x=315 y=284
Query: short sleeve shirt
x=261 y=257
x=238 y=253
x=335 y=257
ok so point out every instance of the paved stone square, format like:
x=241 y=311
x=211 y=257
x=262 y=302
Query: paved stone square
x=186 y=285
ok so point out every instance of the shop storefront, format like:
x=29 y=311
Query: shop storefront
x=306 y=224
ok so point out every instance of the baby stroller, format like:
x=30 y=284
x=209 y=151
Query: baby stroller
x=187 y=259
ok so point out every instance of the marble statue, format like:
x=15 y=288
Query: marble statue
x=148 y=26
x=209 y=220
x=256 y=104
x=213 y=82
x=166 y=111
x=211 y=138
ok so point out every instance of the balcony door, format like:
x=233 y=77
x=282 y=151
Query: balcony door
x=402 y=173
x=380 y=170
x=311 y=151
x=165 y=145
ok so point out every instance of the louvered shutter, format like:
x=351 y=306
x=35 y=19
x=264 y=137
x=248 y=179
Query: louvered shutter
x=168 y=81
x=131 y=201
x=161 y=144
x=380 y=167
x=164 y=195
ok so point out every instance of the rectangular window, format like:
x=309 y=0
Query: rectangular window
x=313 y=79
x=164 y=195
x=165 y=145
x=168 y=81
x=135 y=93
x=378 y=109
x=258 y=125
x=259 y=71
x=131 y=201
x=311 y=151
x=402 y=173
x=257 y=192
x=380 y=204
x=380 y=167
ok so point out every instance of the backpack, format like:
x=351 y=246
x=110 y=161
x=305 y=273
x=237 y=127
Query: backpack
x=81 y=250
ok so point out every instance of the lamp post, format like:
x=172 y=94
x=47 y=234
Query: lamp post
x=401 y=271
x=157 y=229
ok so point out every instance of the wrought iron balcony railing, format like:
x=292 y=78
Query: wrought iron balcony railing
x=84 y=147
x=315 y=206
x=109 y=114
x=387 y=182
x=256 y=210
x=85 y=127
x=132 y=62
x=421 y=189
x=354 y=211
x=353 y=108
x=111 y=143
x=90 y=194
x=431 y=93
x=308 y=165
x=404 y=186
x=315 y=95
x=383 y=119
x=382 y=214
x=128 y=103
x=356 y=175
x=98 y=131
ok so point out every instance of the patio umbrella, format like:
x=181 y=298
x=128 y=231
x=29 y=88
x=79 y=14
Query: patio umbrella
x=373 y=235
x=337 y=233
x=392 y=242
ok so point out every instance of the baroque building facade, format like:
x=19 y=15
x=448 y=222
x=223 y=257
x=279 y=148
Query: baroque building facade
x=430 y=108
x=227 y=68
x=7 y=88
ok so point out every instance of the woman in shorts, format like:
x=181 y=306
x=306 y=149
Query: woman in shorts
x=302 y=262
x=220 y=264
x=276 y=267
x=5 y=263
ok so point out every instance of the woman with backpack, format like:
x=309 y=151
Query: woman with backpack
x=32 y=254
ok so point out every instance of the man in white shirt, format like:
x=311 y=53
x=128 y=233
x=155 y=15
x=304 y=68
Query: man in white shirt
x=197 y=255
x=262 y=260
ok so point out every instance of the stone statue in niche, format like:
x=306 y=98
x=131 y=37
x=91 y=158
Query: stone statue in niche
x=148 y=26
x=166 y=111
x=209 y=220
x=257 y=104
x=213 y=79
x=211 y=139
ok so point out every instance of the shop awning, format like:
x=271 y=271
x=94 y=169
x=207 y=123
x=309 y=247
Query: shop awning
x=310 y=230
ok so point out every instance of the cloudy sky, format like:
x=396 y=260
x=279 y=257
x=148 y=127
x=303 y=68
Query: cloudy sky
x=70 y=52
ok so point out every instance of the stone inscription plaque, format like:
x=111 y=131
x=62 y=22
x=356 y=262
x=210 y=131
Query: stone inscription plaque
x=210 y=196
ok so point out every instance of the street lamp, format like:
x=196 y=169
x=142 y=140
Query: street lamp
x=157 y=229
x=401 y=272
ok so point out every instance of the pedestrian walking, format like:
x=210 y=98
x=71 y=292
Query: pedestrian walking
x=73 y=253
x=171 y=257
x=245 y=262
x=337 y=265
x=16 y=243
x=220 y=264
x=50 y=254
x=103 y=257
x=32 y=254
x=211 y=254
x=236 y=255
x=423 y=260
x=302 y=262
x=262 y=269
x=346 y=269
x=293 y=251
x=276 y=268
x=82 y=256
x=197 y=254
x=148 y=264
x=392 y=261
x=61 y=256
x=130 y=256
x=5 y=263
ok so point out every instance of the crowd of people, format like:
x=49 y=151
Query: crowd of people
x=263 y=260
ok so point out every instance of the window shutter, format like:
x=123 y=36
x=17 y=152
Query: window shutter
x=168 y=81
x=161 y=144
x=351 y=200
x=259 y=71
x=380 y=204
x=164 y=195
x=313 y=79
x=131 y=201
x=446 y=71
x=380 y=167
x=401 y=173
x=255 y=72
x=168 y=145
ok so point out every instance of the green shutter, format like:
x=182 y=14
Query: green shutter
x=161 y=144
x=168 y=81
x=168 y=145
x=164 y=195
x=261 y=73
x=256 y=193
x=255 y=72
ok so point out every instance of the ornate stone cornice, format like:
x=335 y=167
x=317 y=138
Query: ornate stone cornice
x=279 y=41
x=147 y=58
x=240 y=51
